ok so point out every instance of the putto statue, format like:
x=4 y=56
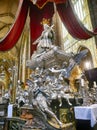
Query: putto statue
x=50 y=76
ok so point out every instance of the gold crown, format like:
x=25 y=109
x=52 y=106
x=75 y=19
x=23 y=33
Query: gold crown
x=45 y=21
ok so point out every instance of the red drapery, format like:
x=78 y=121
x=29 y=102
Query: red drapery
x=36 y=16
x=13 y=35
x=42 y=3
x=58 y=1
x=65 y=10
x=72 y=23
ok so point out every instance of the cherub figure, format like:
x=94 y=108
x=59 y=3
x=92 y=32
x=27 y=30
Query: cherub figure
x=60 y=90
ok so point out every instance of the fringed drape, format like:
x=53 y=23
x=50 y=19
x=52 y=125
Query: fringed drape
x=42 y=3
x=72 y=23
x=13 y=35
x=36 y=17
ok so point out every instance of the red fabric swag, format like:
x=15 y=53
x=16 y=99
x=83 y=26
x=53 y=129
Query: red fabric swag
x=72 y=23
x=13 y=35
x=66 y=12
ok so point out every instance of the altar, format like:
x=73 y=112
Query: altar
x=86 y=117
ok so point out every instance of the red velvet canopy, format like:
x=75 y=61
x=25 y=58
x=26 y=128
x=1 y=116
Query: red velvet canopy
x=14 y=33
x=43 y=9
